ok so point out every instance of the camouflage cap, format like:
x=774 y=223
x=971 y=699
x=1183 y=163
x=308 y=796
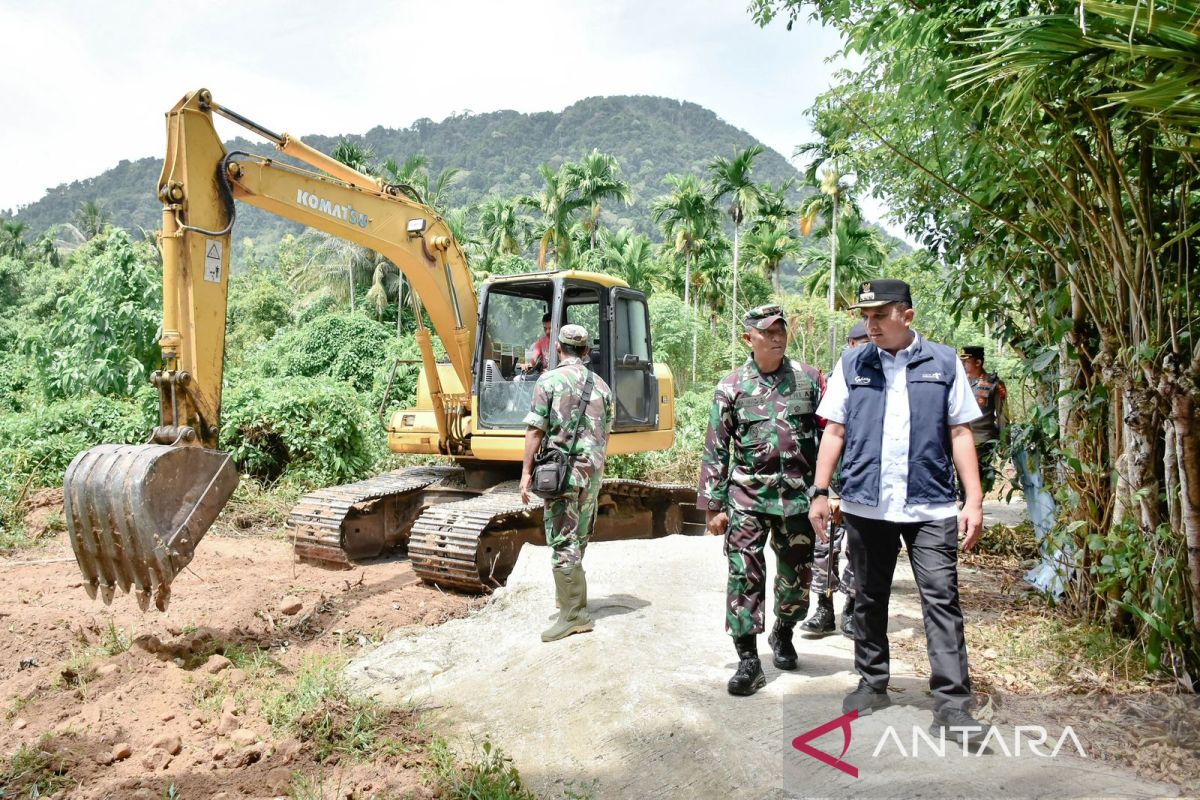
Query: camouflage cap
x=575 y=335
x=764 y=317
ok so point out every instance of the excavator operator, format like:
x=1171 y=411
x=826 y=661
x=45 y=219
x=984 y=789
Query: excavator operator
x=540 y=352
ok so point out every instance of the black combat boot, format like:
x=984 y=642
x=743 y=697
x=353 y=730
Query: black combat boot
x=749 y=677
x=780 y=640
x=848 y=618
x=822 y=622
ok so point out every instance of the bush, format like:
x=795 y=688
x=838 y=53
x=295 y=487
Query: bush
x=260 y=306
x=42 y=443
x=346 y=347
x=103 y=336
x=679 y=464
x=314 y=431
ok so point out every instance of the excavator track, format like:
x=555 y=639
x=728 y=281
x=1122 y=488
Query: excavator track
x=472 y=544
x=341 y=524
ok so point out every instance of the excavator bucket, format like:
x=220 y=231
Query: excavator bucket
x=136 y=512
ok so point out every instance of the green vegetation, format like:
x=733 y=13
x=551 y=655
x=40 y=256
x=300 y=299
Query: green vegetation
x=35 y=771
x=1046 y=153
x=318 y=709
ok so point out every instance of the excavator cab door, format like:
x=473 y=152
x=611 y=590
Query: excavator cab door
x=635 y=388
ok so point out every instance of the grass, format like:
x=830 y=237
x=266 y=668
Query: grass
x=37 y=771
x=257 y=509
x=257 y=663
x=1033 y=651
x=491 y=776
x=318 y=709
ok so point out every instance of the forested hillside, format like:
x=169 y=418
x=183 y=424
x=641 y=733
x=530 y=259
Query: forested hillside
x=499 y=153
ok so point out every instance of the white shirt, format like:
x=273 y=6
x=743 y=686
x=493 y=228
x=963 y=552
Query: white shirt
x=961 y=408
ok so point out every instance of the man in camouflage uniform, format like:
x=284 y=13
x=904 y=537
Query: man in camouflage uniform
x=759 y=456
x=990 y=394
x=556 y=413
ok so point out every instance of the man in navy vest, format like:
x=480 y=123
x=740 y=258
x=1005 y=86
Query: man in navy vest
x=898 y=413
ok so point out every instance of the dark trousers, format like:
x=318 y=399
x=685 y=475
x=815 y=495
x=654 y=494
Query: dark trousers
x=933 y=553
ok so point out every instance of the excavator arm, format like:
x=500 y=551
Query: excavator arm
x=136 y=512
x=199 y=185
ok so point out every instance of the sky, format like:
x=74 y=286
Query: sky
x=85 y=85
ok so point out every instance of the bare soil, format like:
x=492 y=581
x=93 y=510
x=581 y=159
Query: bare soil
x=114 y=702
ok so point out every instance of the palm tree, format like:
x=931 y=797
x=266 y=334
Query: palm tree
x=329 y=263
x=12 y=238
x=861 y=255
x=413 y=178
x=91 y=219
x=595 y=179
x=502 y=227
x=774 y=210
x=769 y=245
x=730 y=178
x=355 y=156
x=630 y=256
x=686 y=218
x=558 y=203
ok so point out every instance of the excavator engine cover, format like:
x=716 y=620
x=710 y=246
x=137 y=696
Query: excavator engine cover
x=136 y=512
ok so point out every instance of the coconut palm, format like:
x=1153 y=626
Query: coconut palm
x=91 y=219
x=730 y=179
x=767 y=246
x=12 y=238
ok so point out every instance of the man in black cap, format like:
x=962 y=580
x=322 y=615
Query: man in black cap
x=825 y=579
x=898 y=414
x=991 y=394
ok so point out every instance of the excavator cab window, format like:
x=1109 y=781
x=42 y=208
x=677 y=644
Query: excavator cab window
x=516 y=349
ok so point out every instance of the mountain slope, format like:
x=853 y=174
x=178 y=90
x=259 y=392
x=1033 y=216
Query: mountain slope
x=500 y=151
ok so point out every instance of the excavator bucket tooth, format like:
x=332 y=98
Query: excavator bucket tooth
x=136 y=512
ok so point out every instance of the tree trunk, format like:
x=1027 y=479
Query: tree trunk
x=1187 y=439
x=1171 y=475
x=1140 y=426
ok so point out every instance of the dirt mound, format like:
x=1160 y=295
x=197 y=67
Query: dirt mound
x=43 y=513
x=236 y=690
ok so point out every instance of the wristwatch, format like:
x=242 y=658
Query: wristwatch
x=816 y=491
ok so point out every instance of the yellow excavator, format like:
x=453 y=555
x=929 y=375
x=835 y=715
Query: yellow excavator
x=135 y=513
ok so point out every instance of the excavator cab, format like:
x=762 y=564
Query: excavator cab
x=511 y=313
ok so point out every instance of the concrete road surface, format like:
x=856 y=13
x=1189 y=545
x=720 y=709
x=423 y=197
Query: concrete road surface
x=638 y=708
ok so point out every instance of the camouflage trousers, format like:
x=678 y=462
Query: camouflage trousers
x=792 y=540
x=569 y=522
x=823 y=570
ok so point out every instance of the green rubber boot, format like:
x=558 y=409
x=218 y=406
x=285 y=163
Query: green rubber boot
x=572 y=616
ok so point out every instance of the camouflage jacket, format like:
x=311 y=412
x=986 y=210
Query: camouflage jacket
x=990 y=393
x=761 y=449
x=554 y=411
